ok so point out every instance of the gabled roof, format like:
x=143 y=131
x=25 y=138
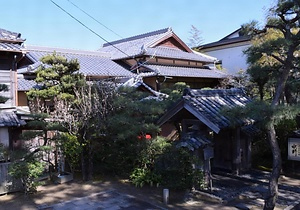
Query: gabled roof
x=92 y=63
x=206 y=105
x=149 y=44
x=10 y=119
x=182 y=71
x=231 y=38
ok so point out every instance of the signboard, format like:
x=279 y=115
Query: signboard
x=294 y=149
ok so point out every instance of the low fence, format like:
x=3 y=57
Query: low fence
x=7 y=183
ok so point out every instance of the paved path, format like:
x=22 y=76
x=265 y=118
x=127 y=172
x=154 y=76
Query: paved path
x=108 y=200
x=248 y=191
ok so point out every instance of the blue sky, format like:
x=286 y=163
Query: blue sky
x=42 y=23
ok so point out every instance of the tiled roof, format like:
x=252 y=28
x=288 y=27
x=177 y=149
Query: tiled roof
x=194 y=141
x=207 y=106
x=10 y=47
x=133 y=46
x=92 y=63
x=209 y=103
x=25 y=85
x=144 y=45
x=167 y=52
x=225 y=42
x=9 y=119
x=177 y=71
x=9 y=36
x=137 y=82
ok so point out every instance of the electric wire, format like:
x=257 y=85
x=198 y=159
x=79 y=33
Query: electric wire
x=95 y=19
x=81 y=23
x=139 y=64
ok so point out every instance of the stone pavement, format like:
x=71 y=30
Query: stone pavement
x=247 y=191
x=108 y=200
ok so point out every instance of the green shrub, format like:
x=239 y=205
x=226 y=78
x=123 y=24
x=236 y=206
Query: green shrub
x=141 y=176
x=175 y=168
x=28 y=171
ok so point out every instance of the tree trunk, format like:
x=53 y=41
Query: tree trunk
x=83 y=165
x=271 y=198
x=90 y=163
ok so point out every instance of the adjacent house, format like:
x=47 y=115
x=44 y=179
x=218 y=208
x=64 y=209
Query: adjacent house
x=229 y=51
x=93 y=64
x=201 y=112
x=11 y=52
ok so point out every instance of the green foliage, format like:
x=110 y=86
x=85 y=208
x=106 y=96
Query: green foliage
x=71 y=149
x=4 y=153
x=28 y=170
x=175 y=168
x=143 y=172
x=175 y=92
x=142 y=176
x=132 y=116
x=57 y=78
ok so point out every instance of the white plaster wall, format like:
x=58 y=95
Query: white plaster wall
x=233 y=59
x=4 y=137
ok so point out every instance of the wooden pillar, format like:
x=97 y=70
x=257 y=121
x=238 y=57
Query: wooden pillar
x=236 y=151
x=249 y=151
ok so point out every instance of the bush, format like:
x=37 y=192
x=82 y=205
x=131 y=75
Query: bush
x=28 y=171
x=175 y=168
x=141 y=176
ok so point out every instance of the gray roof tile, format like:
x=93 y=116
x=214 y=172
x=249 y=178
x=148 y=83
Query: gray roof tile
x=91 y=63
x=24 y=84
x=209 y=103
x=142 y=45
x=177 y=71
x=207 y=106
x=11 y=47
x=9 y=119
x=9 y=36
x=167 y=52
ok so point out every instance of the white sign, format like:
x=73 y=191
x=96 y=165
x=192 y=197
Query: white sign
x=294 y=149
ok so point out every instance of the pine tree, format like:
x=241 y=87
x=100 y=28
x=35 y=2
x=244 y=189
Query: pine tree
x=56 y=80
x=274 y=57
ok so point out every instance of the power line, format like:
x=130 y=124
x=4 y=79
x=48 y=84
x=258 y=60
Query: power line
x=89 y=28
x=95 y=19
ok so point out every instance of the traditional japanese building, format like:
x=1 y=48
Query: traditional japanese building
x=162 y=59
x=201 y=111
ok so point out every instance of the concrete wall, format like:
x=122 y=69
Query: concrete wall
x=7 y=184
x=232 y=57
x=4 y=137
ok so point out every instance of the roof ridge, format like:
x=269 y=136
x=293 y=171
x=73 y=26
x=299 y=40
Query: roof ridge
x=161 y=31
x=67 y=51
